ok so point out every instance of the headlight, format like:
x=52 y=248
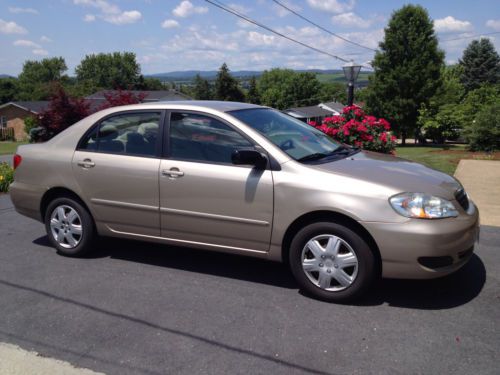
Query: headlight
x=422 y=206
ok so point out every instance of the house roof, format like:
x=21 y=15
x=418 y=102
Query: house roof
x=307 y=112
x=32 y=106
x=151 y=95
x=334 y=106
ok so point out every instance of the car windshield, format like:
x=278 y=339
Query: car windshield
x=299 y=140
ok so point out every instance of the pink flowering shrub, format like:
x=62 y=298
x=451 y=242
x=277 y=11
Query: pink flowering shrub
x=357 y=129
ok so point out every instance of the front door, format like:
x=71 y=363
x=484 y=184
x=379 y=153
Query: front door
x=204 y=198
x=116 y=166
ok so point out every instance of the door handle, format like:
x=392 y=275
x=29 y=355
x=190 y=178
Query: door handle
x=86 y=163
x=172 y=173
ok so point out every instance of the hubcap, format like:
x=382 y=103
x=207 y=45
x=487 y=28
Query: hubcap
x=329 y=262
x=66 y=226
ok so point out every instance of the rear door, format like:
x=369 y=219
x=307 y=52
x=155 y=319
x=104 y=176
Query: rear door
x=116 y=165
x=204 y=198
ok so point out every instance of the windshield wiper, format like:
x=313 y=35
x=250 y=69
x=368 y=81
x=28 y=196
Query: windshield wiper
x=342 y=150
x=315 y=156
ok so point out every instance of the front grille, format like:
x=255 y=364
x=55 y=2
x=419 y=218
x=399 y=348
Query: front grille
x=462 y=199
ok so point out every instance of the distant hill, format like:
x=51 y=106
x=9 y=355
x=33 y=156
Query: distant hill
x=188 y=75
x=5 y=76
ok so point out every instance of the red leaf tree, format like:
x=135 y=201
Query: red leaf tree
x=62 y=112
x=121 y=97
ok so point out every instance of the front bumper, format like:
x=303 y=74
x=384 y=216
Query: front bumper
x=425 y=249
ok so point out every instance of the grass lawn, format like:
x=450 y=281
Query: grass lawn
x=443 y=158
x=7 y=148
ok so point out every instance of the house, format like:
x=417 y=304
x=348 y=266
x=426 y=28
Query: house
x=310 y=113
x=13 y=114
x=335 y=107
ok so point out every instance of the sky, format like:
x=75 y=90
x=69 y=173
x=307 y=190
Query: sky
x=172 y=35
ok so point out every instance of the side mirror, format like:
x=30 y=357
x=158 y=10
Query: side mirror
x=249 y=157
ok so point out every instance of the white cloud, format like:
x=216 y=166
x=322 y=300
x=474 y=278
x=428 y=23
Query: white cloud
x=351 y=19
x=11 y=27
x=494 y=24
x=26 y=43
x=186 y=8
x=22 y=10
x=109 y=12
x=40 y=52
x=123 y=18
x=89 y=18
x=282 y=12
x=332 y=6
x=451 y=24
x=239 y=8
x=168 y=24
x=45 y=39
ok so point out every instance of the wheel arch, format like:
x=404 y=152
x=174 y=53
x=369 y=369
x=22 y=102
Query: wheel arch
x=58 y=192
x=334 y=217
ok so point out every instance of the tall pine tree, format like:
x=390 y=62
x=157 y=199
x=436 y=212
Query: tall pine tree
x=253 y=95
x=226 y=86
x=407 y=68
x=202 y=90
x=480 y=63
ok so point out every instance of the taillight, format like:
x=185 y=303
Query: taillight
x=17 y=160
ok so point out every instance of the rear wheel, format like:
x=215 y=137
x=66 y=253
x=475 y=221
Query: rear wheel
x=331 y=262
x=69 y=226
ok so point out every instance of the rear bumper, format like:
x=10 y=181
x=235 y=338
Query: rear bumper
x=425 y=249
x=27 y=198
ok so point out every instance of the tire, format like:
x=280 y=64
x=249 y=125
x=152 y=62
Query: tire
x=331 y=262
x=70 y=227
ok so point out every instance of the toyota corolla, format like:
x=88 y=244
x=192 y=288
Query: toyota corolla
x=250 y=180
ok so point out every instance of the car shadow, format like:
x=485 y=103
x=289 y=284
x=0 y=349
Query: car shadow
x=443 y=293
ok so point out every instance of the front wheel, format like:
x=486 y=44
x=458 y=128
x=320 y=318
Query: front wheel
x=331 y=262
x=69 y=226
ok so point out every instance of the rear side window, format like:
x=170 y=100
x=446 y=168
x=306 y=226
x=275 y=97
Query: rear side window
x=203 y=138
x=127 y=134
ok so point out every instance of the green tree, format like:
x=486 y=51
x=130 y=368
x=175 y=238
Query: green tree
x=483 y=134
x=8 y=89
x=201 y=89
x=284 y=88
x=333 y=91
x=441 y=118
x=407 y=68
x=36 y=78
x=480 y=63
x=253 y=95
x=109 y=70
x=226 y=86
x=148 y=83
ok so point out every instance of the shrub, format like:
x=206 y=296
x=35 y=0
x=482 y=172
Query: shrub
x=121 y=97
x=357 y=129
x=6 y=177
x=483 y=134
x=30 y=123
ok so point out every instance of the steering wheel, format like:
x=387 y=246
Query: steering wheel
x=286 y=145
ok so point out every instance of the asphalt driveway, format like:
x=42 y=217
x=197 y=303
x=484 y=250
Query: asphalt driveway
x=135 y=308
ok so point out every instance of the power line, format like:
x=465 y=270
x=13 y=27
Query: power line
x=224 y=7
x=322 y=28
x=470 y=37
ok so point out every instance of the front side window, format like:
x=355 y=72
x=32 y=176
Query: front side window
x=301 y=141
x=128 y=134
x=203 y=138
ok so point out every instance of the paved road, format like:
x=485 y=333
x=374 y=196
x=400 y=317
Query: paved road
x=137 y=308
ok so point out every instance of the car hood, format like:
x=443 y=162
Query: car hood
x=399 y=174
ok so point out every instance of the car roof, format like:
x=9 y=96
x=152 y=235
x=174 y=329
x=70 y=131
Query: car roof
x=217 y=105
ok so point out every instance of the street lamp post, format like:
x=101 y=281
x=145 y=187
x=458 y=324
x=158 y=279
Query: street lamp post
x=351 y=71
